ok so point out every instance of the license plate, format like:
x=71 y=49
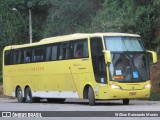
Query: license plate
x=132 y=93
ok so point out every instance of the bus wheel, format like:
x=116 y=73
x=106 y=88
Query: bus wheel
x=91 y=97
x=19 y=95
x=28 y=95
x=59 y=100
x=125 y=101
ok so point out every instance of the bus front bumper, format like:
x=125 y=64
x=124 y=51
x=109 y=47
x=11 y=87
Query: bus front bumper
x=124 y=94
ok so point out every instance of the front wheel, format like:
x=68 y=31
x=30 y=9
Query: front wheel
x=125 y=101
x=19 y=95
x=91 y=96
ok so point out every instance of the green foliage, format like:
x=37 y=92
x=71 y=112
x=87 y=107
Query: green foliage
x=11 y=24
x=14 y=25
x=69 y=16
x=154 y=96
x=155 y=81
x=129 y=16
x=57 y=17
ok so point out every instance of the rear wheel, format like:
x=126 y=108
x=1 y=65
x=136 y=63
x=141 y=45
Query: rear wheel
x=125 y=101
x=91 y=96
x=28 y=95
x=19 y=95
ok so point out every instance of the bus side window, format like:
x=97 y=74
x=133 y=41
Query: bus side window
x=70 y=50
x=80 y=49
x=54 y=52
x=17 y=57
x=7 y=59
x=60 y=55
x=66 y=50
x=27 y=56
x=48 y=53
x=38 y=54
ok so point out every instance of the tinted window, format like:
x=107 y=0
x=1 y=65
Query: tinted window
x=7 y=58
x=67 y=50
x=48 y=53
x=27 y=56
x=17 y=57
x=54 y=52
x=98 y=61
x=80 y=49
x=58 y=51
x=38 y=54
x=63 y=51
x=73 y=49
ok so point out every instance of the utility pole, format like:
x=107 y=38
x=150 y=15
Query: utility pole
x=30 y=25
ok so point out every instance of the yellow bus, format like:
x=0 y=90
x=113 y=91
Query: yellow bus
x=97 y=66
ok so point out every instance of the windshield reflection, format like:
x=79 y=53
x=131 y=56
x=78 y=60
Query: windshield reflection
x=129 y=67
x=123 y=43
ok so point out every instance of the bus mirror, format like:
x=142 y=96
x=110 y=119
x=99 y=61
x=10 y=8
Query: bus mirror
x=153 y=55
x=107 y=55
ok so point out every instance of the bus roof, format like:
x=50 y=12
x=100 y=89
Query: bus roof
x=69 y=37
x=85 y=35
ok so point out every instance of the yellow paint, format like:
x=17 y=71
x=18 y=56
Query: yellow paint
x=66 y=75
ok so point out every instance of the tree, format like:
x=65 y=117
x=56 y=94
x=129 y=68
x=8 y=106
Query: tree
x=12 y=27
x=136 y=16
x=69 y=16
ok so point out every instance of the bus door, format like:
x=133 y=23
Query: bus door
x=80 y=63
x=98 y=63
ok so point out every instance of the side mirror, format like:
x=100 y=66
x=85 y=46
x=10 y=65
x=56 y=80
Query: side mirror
x=107 y=55
x=154 y=56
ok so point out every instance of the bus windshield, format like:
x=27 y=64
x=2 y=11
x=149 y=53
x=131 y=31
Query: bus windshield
x=129 y=63
x=122 y=44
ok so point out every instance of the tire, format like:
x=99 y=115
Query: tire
x=19 y=95
x=91 y=96
x=125 y=101
x=28 y=95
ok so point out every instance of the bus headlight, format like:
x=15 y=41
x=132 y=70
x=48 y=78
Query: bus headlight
x=115 y=87
x=147 y=86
